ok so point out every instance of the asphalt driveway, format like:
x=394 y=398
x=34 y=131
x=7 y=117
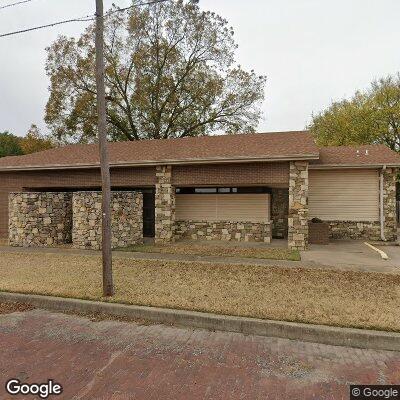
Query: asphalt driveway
x=124 y=360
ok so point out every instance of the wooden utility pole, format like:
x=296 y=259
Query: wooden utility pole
x=108 y=287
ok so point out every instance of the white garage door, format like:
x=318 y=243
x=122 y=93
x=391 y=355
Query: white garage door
x=344 y=195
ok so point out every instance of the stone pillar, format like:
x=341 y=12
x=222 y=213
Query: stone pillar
x=40 y=218
x=389 y=203
x=298 y=206
x=126 y=219
x=165 y=205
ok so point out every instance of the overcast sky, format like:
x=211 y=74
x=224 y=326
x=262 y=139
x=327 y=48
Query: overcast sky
x=312 y=51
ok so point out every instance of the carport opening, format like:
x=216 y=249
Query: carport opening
x=148 y=201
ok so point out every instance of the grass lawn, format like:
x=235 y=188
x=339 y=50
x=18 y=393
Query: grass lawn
x=215 y=250
x=342 y=298
x=8 y=308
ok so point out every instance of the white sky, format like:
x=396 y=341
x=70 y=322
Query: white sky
x=312 y=51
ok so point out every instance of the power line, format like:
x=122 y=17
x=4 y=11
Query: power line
x=82 y=19
x=149 y=3
x=15 y=4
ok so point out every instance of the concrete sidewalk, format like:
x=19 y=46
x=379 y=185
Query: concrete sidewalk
x=153 y=256
x=120 y=360
x=336 y=256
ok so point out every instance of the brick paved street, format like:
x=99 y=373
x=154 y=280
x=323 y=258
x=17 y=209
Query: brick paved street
x=119 y=360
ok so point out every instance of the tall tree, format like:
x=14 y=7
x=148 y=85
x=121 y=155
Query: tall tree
x=10 y=145
x=372 y=116
x=170 y=72
x=34 y=141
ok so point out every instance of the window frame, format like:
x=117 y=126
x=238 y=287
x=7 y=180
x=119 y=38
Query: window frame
x=223 y=190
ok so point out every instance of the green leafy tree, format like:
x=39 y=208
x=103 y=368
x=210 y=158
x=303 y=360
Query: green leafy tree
x=368 y=117
x=10 y=145
x=34 y=141
x=170 y=72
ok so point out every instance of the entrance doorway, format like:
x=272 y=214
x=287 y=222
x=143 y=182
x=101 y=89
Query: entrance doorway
x=149 y=215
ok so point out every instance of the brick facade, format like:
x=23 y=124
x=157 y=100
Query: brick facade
x=66 y=179
x=242 y=174
x=298 y=206
x=289 y=208
x=222 y=174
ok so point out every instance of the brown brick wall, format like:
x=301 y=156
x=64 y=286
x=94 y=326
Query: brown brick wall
x=75 y=178
x=231 y=174
x=216 y=174
x=29 y=180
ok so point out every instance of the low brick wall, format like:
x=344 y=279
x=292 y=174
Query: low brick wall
x=126 y=219
x=224 y=230
x=318 y=232
x=40 y=218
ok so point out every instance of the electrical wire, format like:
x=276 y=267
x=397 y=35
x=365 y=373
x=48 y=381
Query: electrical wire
x=15 y=4
x=149 y=3
x=82 y=19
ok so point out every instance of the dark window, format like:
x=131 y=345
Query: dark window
x=255 y=189
x=222 y=190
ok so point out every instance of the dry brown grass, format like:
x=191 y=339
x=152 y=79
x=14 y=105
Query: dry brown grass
x=7 y=308
x=220 y=251
x=353 y=299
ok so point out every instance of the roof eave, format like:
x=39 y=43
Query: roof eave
x=149 y=163
x=365 y=166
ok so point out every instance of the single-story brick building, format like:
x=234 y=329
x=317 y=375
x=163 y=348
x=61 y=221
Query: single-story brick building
x=231 y=187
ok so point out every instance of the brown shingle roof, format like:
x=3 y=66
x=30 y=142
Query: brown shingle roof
x=261 y=146
x=368 y=155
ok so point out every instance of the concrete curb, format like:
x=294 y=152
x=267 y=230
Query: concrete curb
x=368 y=339
x=383 y=255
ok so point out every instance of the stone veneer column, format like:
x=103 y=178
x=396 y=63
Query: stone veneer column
x=126 y=219
x=389 y=203
x=40 y=218
x=298 y=206
x=165 y=205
